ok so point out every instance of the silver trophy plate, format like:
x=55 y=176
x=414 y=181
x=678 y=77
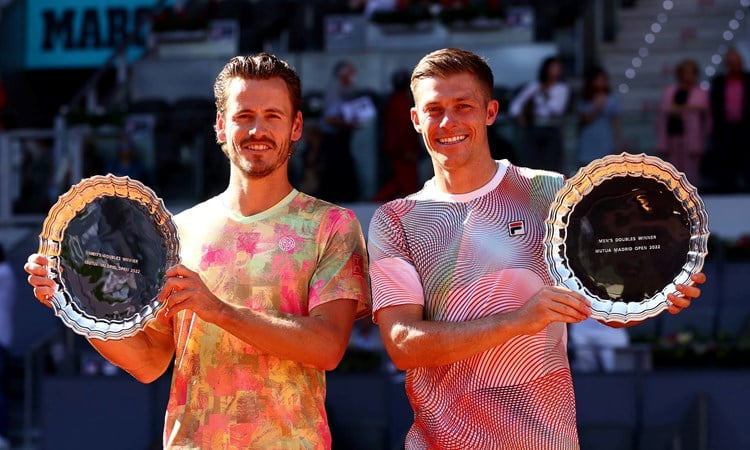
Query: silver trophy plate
x=110 y=241
x=624 y=231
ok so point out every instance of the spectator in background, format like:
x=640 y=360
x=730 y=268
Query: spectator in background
x=126 y=162
x=598 y=117
x=37 y=177
x=401 y=142
x=594 y=344
x=539 y=108
x=730 y=108
x=338 y=180
x=684 y=122
x=374 y=6
x=7 y=299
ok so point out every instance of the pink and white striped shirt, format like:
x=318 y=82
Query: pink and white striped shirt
x=468 y=256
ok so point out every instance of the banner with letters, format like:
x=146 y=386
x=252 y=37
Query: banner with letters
x=83 y=33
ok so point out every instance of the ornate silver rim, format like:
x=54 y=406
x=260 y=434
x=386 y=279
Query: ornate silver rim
x=581 y=184
x=67 y=207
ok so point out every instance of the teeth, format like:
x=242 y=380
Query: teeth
x=452 y=140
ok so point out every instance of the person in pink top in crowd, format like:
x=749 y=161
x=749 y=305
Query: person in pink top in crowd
x=269 y=285
x=461 y=292
x=684 y=122
x=730 y=107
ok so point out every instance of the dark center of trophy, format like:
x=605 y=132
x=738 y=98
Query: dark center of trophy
x=111 y=258
x=627 y=239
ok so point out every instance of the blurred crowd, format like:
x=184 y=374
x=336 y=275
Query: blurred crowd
x=699 y=130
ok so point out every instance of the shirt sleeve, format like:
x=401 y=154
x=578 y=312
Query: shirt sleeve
x=342 y=267
x=394 y=277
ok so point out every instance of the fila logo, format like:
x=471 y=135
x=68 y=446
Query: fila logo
x=516 y=228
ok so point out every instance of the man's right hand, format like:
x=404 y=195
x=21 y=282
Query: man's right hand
x=553 y=304
x=44 y=286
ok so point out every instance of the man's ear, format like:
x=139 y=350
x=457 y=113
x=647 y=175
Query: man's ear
x=493 y=108
x=297 y=125
x=415 y=120
x=219 y=128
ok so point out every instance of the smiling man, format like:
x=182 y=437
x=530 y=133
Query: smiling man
x=460 y=288
x=264 y=300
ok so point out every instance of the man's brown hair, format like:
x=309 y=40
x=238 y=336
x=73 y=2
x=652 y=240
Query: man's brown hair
x=453 y=61
x=262 y=66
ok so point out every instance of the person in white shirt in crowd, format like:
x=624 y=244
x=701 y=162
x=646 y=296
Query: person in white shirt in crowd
x=538 y=108
x=595 y=345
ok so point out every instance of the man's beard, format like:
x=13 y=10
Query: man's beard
x=255 y=166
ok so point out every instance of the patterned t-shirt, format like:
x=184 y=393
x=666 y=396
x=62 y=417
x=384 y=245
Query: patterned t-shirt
x=464 y=257
x=227 y=394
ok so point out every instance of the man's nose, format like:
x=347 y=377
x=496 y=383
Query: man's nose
x=447 y=119
x=256 y=127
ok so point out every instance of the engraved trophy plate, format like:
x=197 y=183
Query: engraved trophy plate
x=624 y=231
x=110 y=241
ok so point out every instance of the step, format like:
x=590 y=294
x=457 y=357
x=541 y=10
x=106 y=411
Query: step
x=656 y=62
x=640 y=100
x=679 y=8
x=694 y=25
x=693 y=34
x=656 y=74
x=644 y=24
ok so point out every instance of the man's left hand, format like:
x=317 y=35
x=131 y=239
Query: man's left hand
x=679 y=302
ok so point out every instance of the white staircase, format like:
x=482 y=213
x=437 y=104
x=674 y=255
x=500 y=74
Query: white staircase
x=653 y=37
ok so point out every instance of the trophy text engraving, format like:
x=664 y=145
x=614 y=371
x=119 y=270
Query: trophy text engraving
x=602 y=246
x=107 y=265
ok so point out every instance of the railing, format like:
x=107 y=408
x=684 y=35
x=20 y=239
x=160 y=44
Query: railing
x=117 y=60
x=35 y=166
x=34 y=363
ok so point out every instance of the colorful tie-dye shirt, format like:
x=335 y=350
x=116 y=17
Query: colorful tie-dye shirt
x=227 y=394
x=463 y=257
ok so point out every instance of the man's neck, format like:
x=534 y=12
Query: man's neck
x=248 y=196
x=465 y=179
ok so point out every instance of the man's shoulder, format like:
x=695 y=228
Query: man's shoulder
x=537 y=183
x=316 y=209
x=531 y=173
x=312 y=203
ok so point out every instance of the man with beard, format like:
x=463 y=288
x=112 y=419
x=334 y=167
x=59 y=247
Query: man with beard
x=270 y=283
